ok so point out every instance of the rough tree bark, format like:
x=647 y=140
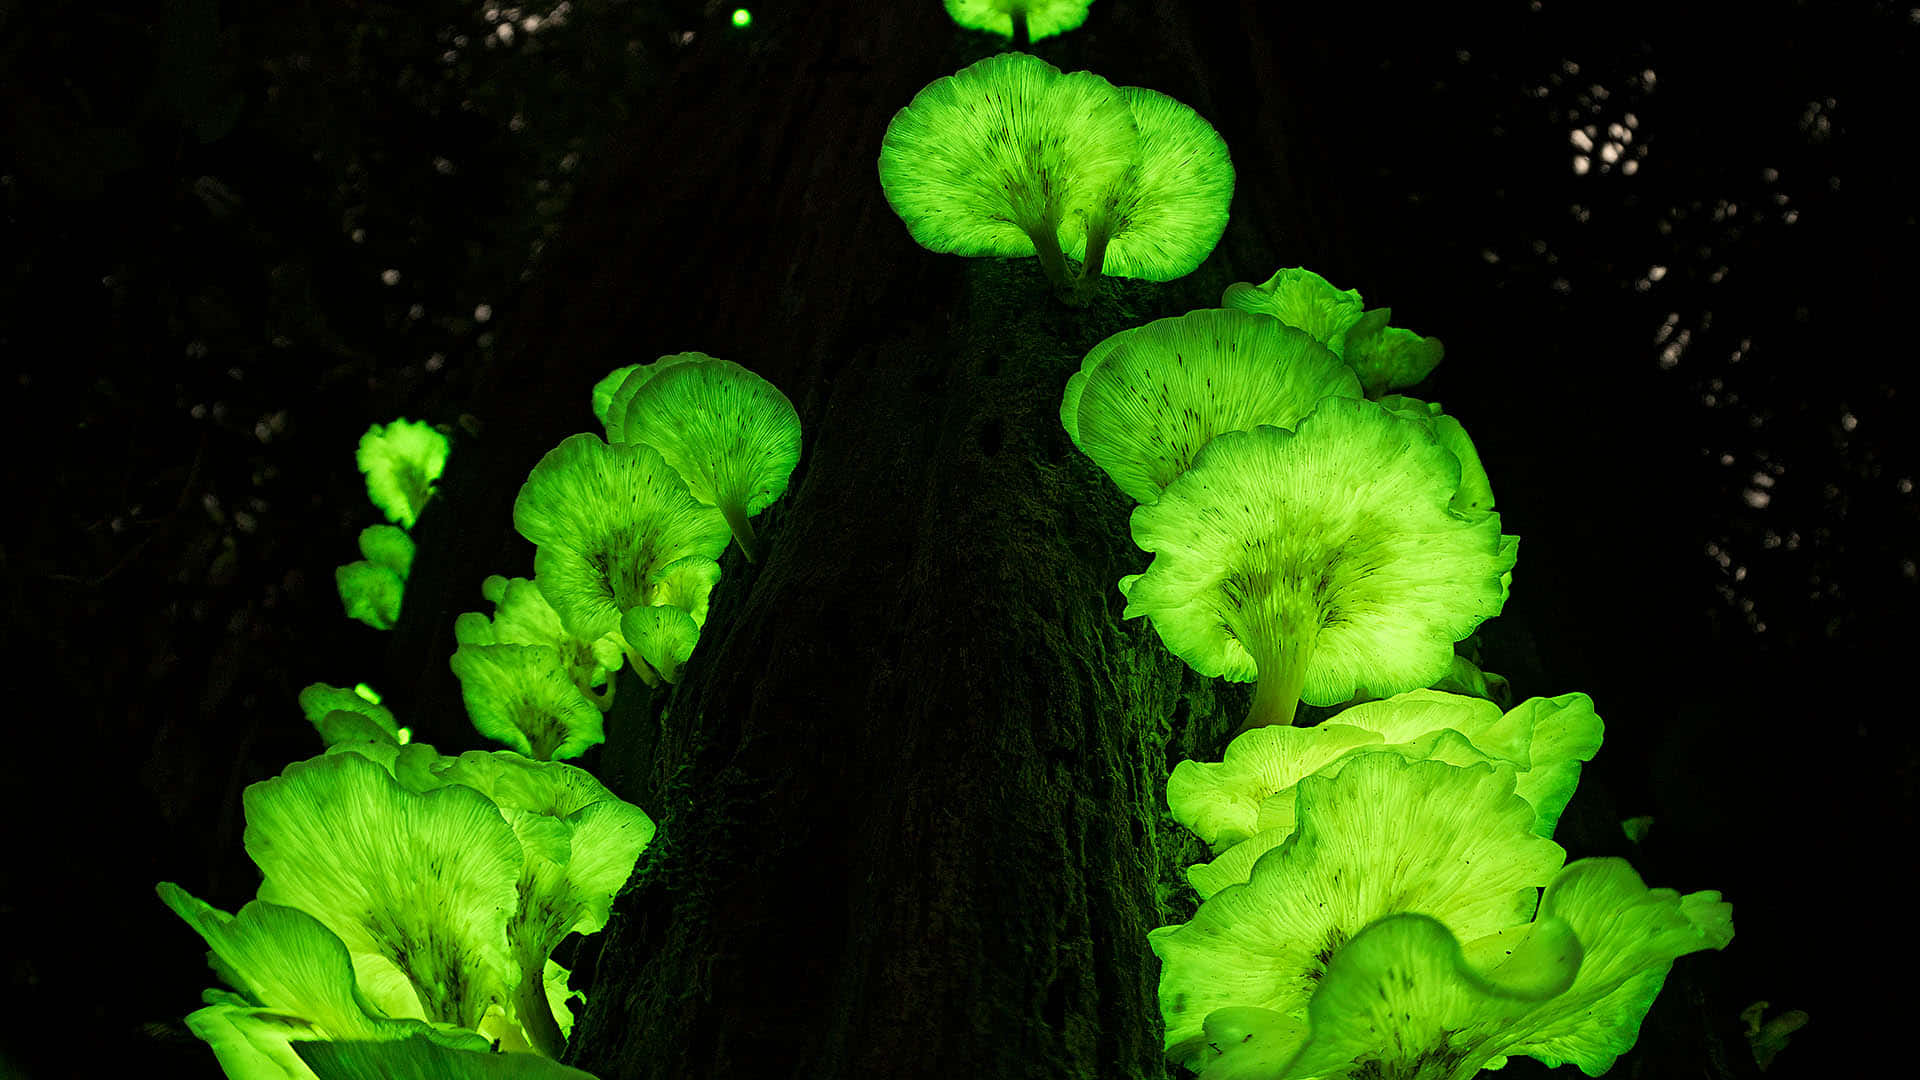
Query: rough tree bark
x=909 y=786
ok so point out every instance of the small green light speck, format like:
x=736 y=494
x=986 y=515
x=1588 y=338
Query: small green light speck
x=742 y=17
x=405 y=735
x=367 y=693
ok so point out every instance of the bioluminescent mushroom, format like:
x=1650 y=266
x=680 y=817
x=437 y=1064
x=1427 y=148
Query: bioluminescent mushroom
x=1475 y=493
x=1385 y=358
x=424 y=1057
x=1317 y=562
x=371 y=590
x=1413 y=996
x=581 y=843
x=402 y=460
x=1383 y=836
x=291 y=979
x=730 y=434
x=996 y=158
x=418 y=885
x=1145 y=400
x=1160 y=217
x=1023 y=21
x=318 y=700
x=632 y=377
x=603 y=392
x=1303 y=300
x=522 y=616
x=522 y=696
x=1388 y=357
x=1245 y=805
x=607 y=519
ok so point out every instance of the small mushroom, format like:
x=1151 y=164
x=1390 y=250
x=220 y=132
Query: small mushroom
x=1384 y=357
x=1145 y=400
x=733 y=437
x=1318 y=561
x=1160 y=218
x=402 y=460
x=1023 y=21
x=522 y=696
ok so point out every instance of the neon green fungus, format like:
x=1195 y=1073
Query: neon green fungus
x=1040 y=18
x=742 y=18
x=730 y=434
x=423 y=1057
x=1145 y=400
x=1384 y=358
x=1160 y=218
x=522 y=616
x=1475 y=492
x=366 y=693
x=1385 y=835
x=996 y=158
x=370 y=593
x=1319 y=562
x=402 y=460
x=522 y=696
x=319 y=700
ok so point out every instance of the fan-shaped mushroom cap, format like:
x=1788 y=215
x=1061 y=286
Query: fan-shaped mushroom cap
x=522 y=695
x=607 y=519
x=402 y=460
x=1386 y=835
x=370 y=593
x=603 y=392
x=730 y=434
x=388 y=546
x=522 y=616
x=1475 y=493
x=1328 y=555
x=1045 y=18
x=992 y=159
x=1303 y=300
x=1387 y=357
x=1147 y=399
x=319 y=699
x=1161 y=216
x=621 y=393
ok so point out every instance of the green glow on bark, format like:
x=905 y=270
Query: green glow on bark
x=1337 y=538
x=402 y=460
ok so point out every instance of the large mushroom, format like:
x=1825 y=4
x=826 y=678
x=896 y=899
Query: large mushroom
x=733 y=437
x=1145 y=400
x=1318 y=562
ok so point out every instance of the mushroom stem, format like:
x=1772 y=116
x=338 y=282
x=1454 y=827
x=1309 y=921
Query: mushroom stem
x=1046 y=244
x=1019 y=17
x=736 y=515
x=1280 y=656
x=535 y=1015
x=602 y=699
x=1096 y=257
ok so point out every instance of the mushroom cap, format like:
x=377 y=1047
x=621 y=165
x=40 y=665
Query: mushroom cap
x=662 y=635
x=401 y=460
x=1045 y=18
x=1344 y=520
x=607 y=519
x=523 y=696
x=1475 y=493
x=1387 y=357
x=1166 y=211
x=730 y=434
x=389 y=546
x=318 y=700
x=1385 y=835
x=370 y=593
x=1006 y=149
x=1304 y=300
x=603 y=395
x=1149 y=398
x=620 y=394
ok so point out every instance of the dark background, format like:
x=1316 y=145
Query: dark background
x=237 y=233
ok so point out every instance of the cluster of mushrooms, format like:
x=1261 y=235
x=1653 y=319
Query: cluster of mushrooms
x=401 y=460
x=1384 y=896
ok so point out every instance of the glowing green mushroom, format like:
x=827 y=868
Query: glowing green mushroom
x=603 y=392
x=1475 y=493
x=1387 y=357
x=1410 y=995
x=422 y=1058
x=1317 y=562
x=1021 y=20
x=1245 y=805
x=319 y=699
x=522 y=616
x=419 y=886
x=522 y=695
x=995 y=158
x=1386 y=835
x=607 y=519
x=1158 y=219
x=402 y=460
x=1145 y=400
x=581 y=843
x=1304 y=300
x=730 y=434
x=370 y=593
x=619 y=394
